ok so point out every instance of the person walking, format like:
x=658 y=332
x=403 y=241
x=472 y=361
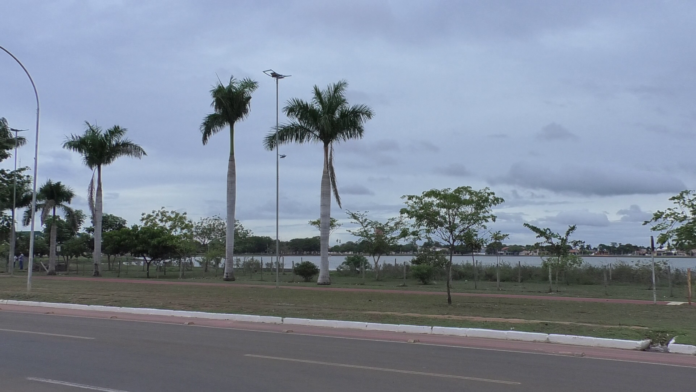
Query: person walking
x=21 y=261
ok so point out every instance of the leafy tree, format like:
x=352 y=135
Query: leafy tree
x=178 y=225
x=378 y=237
x=558 y=246
x=230 y=103
x=448 y=215
x=8 y=140
x=210 y=233
x=677 y=224
x=53 y=196
x=118 y=242
x=15 y=192
x=354 y=263
x=101 y=148
x=332 y=226
x=306 y=270
x=153 y=244
x=497 y=238
x=75 y=247
x=109 y=223
x=327 y=119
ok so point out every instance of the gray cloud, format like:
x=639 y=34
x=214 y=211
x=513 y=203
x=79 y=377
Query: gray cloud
x=454 y=170
x=355 y=189
x=634 y=214
x=554 y=132
x=589 y=180
x=578 y=217
x=420 y=146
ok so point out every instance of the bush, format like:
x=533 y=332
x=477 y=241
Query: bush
x=353 y=263
x=306 y=270
x=422 y=272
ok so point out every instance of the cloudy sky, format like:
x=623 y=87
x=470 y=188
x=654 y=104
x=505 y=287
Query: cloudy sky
x=574 y=112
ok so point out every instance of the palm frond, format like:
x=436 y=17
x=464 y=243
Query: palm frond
x=290 y=133
x=332 y=177
x=211 y=125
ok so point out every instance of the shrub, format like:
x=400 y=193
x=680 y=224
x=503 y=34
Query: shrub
x=422 y=272
x=306 y=270
x=354 y=263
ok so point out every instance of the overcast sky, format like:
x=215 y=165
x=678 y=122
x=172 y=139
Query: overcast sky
x=575 y=112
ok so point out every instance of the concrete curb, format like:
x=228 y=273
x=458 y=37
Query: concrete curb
x=464 y=332
x=675 y=348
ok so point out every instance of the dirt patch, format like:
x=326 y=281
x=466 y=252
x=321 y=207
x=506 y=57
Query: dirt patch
x=502 y=320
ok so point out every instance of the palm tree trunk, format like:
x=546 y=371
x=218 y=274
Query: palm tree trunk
x=324 y=221
x=96 y=258
x=231 y=201
x=52 y=246
x=11 y=254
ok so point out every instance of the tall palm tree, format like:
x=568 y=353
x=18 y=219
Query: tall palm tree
x=327 y=119
x=101 y=148
x=53 y=196
x=230 y=103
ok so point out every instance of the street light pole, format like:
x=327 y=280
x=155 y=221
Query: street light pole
x=36 y=164
x=277 y=77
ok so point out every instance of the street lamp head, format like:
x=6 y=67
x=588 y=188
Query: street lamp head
x=275 y=74
x=282 y=156
x=18 y=130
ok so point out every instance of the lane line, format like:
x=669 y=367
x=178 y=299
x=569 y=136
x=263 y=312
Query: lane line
x=72 y=384
x=378 y=369
x=47 y=334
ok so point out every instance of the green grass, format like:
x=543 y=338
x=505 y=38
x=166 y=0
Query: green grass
x=534 y=315
x=641 y=291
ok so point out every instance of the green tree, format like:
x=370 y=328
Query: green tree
x=558 y=246
x=209 y=233
x=448 y=215
x=328 y=119
x=53 y=196
x=153 y=244
x=118 y=243
x=677 y=224
x=15 y=192
x=497 y=238
x=178 y=225
x=101 y=148
x=378 y=237
x=230 y=103
x=332 y=226
x=8 y=140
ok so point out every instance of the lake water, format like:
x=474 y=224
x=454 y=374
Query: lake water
x=335 y=261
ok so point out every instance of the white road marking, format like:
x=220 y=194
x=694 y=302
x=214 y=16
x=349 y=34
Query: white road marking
x=74 y=385
x=384 y=369
x=47 y=334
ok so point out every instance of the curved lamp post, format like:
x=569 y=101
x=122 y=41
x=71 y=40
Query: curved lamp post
x=36 y=164
x=277 y=77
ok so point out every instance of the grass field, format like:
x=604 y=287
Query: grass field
x=394 y=280
x=535 y=315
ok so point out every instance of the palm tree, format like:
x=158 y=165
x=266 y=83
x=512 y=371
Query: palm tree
x=8 y=141
x=53 y=195
x=231 y=104
x=100 y=148
x=327 y=119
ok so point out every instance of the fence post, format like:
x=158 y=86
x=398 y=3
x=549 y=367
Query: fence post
x=404 y=273
x=519 y=272
x=688 y=282
x=669 y=279
x=605 y=281
x=610 y=271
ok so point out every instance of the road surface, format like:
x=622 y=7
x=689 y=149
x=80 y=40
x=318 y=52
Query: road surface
x=50 y=350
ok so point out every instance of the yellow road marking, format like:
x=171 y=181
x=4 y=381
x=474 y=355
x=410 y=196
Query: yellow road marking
x=378 y=369
x=47 y=334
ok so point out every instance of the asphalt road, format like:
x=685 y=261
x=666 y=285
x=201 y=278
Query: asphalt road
x=48 y=352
